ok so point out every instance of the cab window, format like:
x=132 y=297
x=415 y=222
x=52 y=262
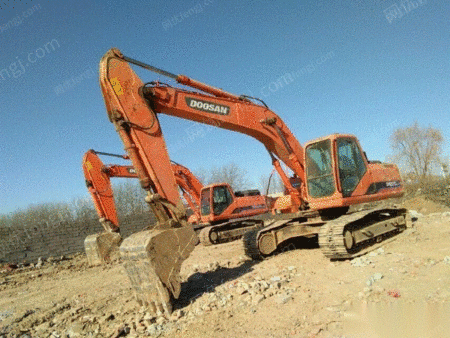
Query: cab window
x=221 y=199
x=319 y=170
x=351 y=165
x=205 y=208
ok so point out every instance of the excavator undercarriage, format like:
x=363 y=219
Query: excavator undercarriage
x=344 y=237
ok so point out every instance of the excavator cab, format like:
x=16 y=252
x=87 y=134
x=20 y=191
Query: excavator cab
x=215 y=198
x=334 y=164
x=337 y=169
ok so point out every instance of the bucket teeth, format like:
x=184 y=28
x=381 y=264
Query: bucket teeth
x=152 y=260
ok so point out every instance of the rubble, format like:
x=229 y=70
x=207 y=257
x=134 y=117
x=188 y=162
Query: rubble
x=221 y=292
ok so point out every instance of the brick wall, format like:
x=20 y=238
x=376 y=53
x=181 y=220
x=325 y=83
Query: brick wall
x=27 y=244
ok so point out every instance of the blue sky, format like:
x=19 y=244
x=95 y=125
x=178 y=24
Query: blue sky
x=361 y=67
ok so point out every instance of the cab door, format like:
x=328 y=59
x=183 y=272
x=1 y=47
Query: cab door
x=351 y=165
x=221 y=199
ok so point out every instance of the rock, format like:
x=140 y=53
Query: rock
x=223 y=302
x=414 y=215
x=39 y=263
x=377 y=276
x=243 y=259
x=276 y=279
x=11 y=266
x=447 y=259
x=149 y=316
x=269 y=293
x=446 y=214
x=375 y=253
x=374 y=278
x=283 y=298
x=225 y=264
x=213 y=266
x=177 y=315
x=240 y=290
x=140 y=329
x=152 y=330
x=361 y=261
x=291 y=268
x=276 y=285
x=258 y=299
x=160 y=320
x=75 y=330
x=40 y=329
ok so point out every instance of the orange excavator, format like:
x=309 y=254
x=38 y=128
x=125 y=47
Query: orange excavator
x=329 y=175
x=213 y=227
x=103 y=246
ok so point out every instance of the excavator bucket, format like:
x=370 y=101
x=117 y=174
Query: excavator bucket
x=152 y=260
x=102 y=247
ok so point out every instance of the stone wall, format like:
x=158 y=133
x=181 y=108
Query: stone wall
x=27 y=244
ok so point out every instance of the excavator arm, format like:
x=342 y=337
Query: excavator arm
x=191 y=188
x=98 y=181
x=141 y=134
x=152 y=258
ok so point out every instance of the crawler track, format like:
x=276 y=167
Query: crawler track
x=229 y=231
x=250 y=242
x=345 y=237
x=355 y=234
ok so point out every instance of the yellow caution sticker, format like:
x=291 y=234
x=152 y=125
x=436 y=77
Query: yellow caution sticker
x=88 y=166
x=116 y=86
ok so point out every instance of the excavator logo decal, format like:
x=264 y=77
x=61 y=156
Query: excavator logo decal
x=206 y=106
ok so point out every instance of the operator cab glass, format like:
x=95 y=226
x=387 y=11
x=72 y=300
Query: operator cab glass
x=319 y=169
x=205 y=207
x=221 y=199
x=351 y=165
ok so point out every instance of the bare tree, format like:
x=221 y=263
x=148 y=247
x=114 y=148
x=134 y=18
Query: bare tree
x=231 y=173
x=276 y=185
x=83 y=209
x=129 y=198
x=417 y=148
x=445 y=166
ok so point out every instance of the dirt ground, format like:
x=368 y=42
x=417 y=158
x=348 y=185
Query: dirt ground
x=400 y=290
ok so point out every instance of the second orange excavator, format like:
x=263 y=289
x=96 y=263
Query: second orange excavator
x=218 y=213
x=329 y=175
x=103 y=247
